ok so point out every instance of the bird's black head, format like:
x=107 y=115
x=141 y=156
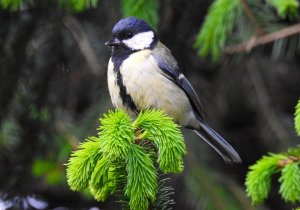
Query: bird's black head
x=133 y=34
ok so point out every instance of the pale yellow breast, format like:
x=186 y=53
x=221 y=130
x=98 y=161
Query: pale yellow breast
x=114 y=90
x=149 y=88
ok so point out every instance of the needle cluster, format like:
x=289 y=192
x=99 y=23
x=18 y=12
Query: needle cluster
x=128 y=151
x=258 y=180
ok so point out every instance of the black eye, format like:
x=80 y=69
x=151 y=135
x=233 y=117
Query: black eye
x=129 y=34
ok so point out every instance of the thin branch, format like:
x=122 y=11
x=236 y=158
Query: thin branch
x=261 y=40
x=289 y=160
x=252 y=18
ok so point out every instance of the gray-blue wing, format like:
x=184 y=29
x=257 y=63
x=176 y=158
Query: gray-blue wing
x=169 y=67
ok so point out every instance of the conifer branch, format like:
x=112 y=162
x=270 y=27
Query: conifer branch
x=258 y=180
x=286 y=8
x=217 y=26
x=145 y=9
x=122 y=159
x=264 y=39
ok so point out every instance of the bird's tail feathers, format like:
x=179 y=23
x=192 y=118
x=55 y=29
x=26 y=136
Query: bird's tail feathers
x=229 y=155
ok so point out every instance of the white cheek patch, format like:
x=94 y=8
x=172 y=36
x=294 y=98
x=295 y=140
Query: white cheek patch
x=140 y=41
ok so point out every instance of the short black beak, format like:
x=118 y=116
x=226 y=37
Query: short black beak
x=113 y=42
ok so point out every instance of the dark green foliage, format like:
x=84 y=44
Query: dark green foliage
x=74 y=5
x=78 y=5
x=297 y=118
x=144 y=9
x=49 y=170
x=41 y=114
x=122 y=144
x=248 y=16
x=9 y=135
x=12 y=5
x=286 y=8
x=217 y=26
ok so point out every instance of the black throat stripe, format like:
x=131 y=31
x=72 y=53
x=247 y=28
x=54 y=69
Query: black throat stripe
x=126 y=98
x=118 y=57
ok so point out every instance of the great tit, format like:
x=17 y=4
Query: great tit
x=142 y=74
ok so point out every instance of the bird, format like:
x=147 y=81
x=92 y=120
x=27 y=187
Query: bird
x=143 y=74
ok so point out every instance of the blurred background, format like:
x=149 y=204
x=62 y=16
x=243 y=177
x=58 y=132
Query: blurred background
x=53 y=90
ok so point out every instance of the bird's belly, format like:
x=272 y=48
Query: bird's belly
x=149 y=88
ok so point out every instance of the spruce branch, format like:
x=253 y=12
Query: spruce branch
x=217 y=26
x=166 y=136
x=140 y=189
x=122 y=159
x=258 y=179
x=290 y=182
x=286 y=8
x=82 y=162
x=103 y=181
x=145 y=9
x=223 y=16
x=116 y=135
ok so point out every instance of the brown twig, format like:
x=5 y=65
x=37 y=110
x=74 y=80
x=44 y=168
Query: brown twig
x=264 y=39
x=290 y=159
x=252 y=18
